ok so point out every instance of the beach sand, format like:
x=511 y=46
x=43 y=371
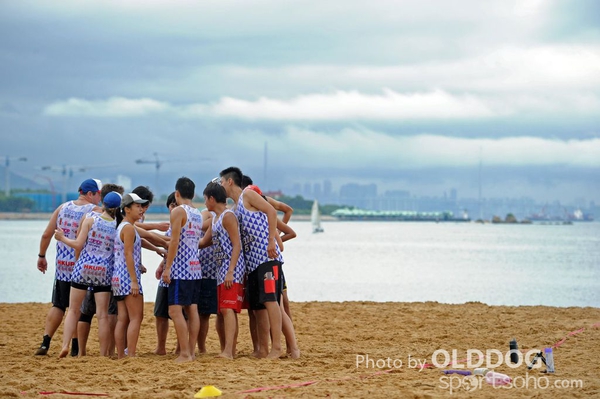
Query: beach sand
x=332 y=337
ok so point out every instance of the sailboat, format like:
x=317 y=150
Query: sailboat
x=315 y=218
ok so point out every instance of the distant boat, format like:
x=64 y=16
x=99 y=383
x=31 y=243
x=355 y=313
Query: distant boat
x=315 y=218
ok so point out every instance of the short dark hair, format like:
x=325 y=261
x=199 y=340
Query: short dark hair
x=171 y=199
x=186 y=187
x=108 y=187
x=144 y=193
x=233 y=173
x=246 y=181
x=216 y=191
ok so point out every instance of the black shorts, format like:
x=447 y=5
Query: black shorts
x=184 y=292
x=61 y=294
x=88 y=306
x=207 y=300
x=264 y=285
x=161 y=305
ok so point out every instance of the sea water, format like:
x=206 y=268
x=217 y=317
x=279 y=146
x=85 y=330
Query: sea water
x=554 y=265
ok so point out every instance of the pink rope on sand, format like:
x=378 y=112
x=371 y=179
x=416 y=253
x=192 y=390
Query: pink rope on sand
x=68 y=393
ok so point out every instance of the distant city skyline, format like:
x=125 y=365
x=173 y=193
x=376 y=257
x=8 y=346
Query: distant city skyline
x=411 y=95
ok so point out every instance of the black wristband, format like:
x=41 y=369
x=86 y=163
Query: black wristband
x=41 y=256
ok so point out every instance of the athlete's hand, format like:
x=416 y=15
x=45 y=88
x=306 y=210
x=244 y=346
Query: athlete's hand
x=59 y=234
x=272 y=249
x=143 y=269
x=163 y=226
x=166 y=276
x=42 y=265
x=159 y=270
x=229 y=280
x=135 y=289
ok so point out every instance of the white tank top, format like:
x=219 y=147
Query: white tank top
x=69 y=216
x=186 y=265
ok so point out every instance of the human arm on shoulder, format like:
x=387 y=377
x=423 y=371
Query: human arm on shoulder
x=281 y=207
x=230 y=224
x=82 y=233
x=152 y=237
x=42 y=263
x=206 y=220
x=148 y=245
x=206 y=241
x=161 y=226
x=288 y=232
x=178 y=219
x=128 y=238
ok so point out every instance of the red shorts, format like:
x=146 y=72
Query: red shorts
x=231 y=298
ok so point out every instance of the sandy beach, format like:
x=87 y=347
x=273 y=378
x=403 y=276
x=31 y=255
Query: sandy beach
x=349 y=349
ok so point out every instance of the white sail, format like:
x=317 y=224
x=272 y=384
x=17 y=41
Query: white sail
x=315 y=218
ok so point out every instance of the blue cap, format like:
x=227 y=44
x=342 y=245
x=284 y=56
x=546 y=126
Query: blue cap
x=93 y=185
x=112 y=200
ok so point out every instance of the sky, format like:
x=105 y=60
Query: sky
x=410 y=95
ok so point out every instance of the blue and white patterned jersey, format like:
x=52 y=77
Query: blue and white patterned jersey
x=223 y=251
x=69 y=216
x=207 y=260
x=121 y=280
x=254 y=230
x=186 y=265
x=161 y=283
x=95 y=263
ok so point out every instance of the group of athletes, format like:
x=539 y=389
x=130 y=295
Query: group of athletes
x=216 y=261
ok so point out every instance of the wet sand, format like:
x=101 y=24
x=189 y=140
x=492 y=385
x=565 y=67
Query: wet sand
x=349 y=349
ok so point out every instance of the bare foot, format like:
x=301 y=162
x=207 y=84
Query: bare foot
x=161 y=351
x=64 y=352
x=183 y=359
x=225 y=355
x=295 y=353
x=274 y=354
x=259 y=355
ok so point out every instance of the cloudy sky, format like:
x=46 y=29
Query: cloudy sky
x=410 y=95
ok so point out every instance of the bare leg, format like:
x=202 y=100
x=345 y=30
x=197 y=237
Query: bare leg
x=262 y=330
x=220 y=331
x=53 y=320
x=274 y=315
x=253 y=333
x=193 y=323
x=286 y=304
x=181 y=329
x=203 y=332
x=83 y=332
x=162 y=330
x=102 y=299
x=287 y=327
x=121 y=329
x=229 y=326
x=75 y=301
x=135 y=310
x=112 y=320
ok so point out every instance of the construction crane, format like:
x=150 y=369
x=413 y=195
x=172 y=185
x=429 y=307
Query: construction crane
x=67 y=172
x=7 y=172
x=158 y=162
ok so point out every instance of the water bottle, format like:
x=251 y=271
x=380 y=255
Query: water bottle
x=497 y=379
x=482 y=371
x=269 y=283
x=514 y=348
x=549 y=360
